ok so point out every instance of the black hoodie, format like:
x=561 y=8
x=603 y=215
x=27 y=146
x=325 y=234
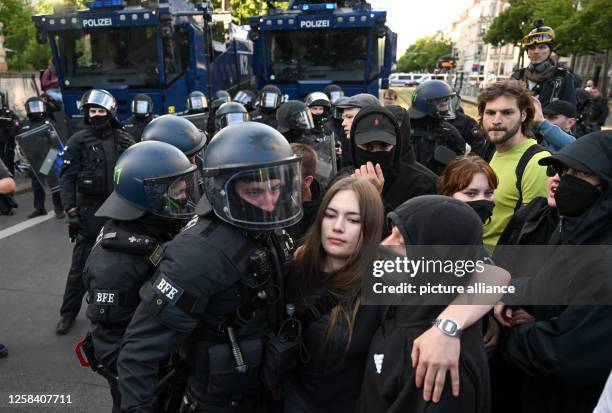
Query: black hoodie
x=566 y=352
x=391 y=387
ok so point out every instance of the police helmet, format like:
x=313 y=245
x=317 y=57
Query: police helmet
x=432 y=98
x=333 y=92
x=35 y=106
x=252 y=178
x=338 y=108
x=153 y=177
x=246 y=97
x=540 y=35
x=230 y=113
x=102 y=99
x=177 y=131
x=223 y=95
x=142 y=105
x=293 y=115
x=197 y=102
x=318 y=99
x=270 y=97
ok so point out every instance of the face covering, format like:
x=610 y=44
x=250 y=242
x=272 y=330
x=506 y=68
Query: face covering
x=100 y=122
x=385 y=159
x=575 y=196
x=319 y=120
x=483 y=207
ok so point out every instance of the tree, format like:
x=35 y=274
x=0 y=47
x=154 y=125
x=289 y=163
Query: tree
x=424 y=54
x=511 y=24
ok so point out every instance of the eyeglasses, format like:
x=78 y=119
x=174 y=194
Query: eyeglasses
x=551 y=171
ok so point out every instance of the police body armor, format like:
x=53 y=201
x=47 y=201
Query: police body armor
x=134 y=125
x=226 y=349
x=40 y=144
x=433 y=143
x=200 y=120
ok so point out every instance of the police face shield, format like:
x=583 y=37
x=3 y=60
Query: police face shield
x=198 y=103
x=335 y=95
x=269 y=100
x=141 y=107
x=303 y=120
x=36 y=106
x=231 y=118
x=443 y=107
x=174 y=196
x=262 y=198
x=538 y=38
x=96 y=97
x=243 y=97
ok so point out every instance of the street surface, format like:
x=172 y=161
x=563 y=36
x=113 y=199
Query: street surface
x=34 y=262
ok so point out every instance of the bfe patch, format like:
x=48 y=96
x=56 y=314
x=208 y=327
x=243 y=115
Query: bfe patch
x=106 y=297
x=170 y=290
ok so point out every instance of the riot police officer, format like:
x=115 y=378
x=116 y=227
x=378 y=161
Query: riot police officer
x=544 y=77
x=178 y=132
x=247 y=98
x=270 y=99
x=9 y=124
x=149 y=204
x=142 y=114
x=218 y=290
x=197 y=110
x=230 y=113
x=37 y=116
x=320 y=107
x=223 y=95
x=334 y=124
x=435 y=141
x=333 y=92
x=469 y=129
x=86 y=180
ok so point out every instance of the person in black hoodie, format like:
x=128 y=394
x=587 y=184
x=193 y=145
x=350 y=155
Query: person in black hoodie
x=376 y=153
x=565 y=349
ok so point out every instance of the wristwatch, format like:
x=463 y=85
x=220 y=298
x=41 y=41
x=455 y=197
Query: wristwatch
x=448 y=327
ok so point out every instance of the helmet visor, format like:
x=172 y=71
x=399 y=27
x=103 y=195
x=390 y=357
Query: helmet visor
x=140 y=107
x=232 y=118
x=537 y=38
x=96 y=97
x=303 y=120
x=198 y=102
x=243 y=97
x=175 y=196
x=259 y=198
x=335 y=94
x=269 y=100
x=442 y=107
x=36 y=106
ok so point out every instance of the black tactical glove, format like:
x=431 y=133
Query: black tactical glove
x=74 y=225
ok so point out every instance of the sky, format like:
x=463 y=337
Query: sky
x=412 y=19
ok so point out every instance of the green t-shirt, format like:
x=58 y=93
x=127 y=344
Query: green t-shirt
x=507 y=195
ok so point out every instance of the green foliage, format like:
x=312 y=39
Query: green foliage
x=512 y=24
x=424 y=54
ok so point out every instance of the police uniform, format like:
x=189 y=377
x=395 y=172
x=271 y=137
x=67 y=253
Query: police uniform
x=9 y=125
x=135 y=124
x=429 y=133
x=219 y=288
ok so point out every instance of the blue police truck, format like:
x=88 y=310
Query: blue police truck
x=164 y=48
x=311 y=44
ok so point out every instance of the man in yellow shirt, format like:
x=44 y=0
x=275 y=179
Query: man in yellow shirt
x=506 y=113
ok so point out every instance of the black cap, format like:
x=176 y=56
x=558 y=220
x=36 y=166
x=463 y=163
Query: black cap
x=360 y=100
x=560 y=107
x=375 y=127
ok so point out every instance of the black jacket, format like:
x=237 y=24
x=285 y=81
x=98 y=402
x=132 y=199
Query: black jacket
x=429 y=133
x=134 y=125
x=9 y=124
x=561 y=81
x=265 y=116
x=470 y=131
x=298 y=231
x=566 y=352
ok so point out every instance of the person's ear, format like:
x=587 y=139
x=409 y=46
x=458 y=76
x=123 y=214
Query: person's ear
x=308 y=181
x=571 y=122
x=523 y=116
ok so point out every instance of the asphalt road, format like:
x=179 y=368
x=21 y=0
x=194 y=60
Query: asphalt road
x=34 y=262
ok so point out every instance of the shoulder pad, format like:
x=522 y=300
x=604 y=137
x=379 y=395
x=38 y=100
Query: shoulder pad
x=116 y=239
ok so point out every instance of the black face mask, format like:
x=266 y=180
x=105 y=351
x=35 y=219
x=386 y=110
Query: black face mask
x=100 y=122
x=319 y=120
x=484 y=208
x=385 y=159
x=575 y=196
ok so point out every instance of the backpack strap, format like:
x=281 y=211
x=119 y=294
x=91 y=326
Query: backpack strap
x=520 y=170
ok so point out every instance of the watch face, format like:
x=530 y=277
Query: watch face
x=449 y=327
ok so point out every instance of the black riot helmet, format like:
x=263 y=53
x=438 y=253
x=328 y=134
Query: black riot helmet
x=432 y=98
x=223 y=95
x=540 y=34
x=153 y=177
x=99 y=98
x=252 y=178
x=142 y=105
x=270 y=97
x=196 y=102
x=333 y=92
x=293 y=115
x=230 y=113
x=318 y=99
x=177 y=131
x=35 y=107
x=246 y=97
